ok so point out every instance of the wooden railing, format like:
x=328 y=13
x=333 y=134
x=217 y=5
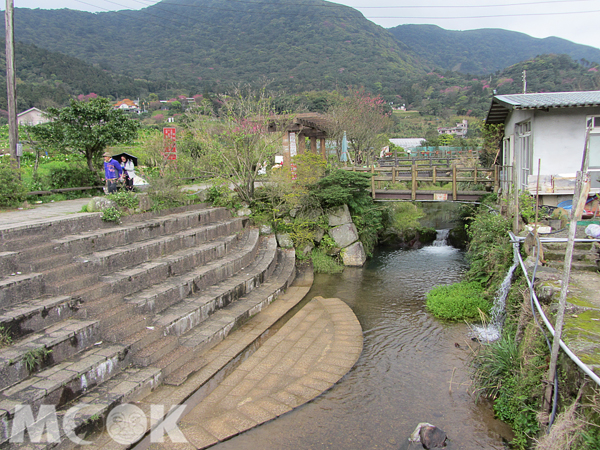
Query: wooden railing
x=482 y=178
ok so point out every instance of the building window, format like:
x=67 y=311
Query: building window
x=523 y=153
x=593 y=123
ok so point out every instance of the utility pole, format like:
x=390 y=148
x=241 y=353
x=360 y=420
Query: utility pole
x=13 y=129
x=524 y=82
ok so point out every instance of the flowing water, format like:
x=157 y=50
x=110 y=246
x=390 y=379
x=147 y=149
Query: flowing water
x=413 y=367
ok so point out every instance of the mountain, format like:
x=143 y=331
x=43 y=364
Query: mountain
x=47 y=78
x=208 y=44
x=484 y=51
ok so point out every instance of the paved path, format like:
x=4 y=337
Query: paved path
x=42 y=213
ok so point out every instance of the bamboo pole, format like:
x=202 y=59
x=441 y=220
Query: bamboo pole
x=582 y=188
x=13 y=127
x=434 y=173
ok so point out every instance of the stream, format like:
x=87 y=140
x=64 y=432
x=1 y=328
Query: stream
x=413 y=368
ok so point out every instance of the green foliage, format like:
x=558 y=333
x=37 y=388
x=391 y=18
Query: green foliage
x=85 y=127
x=61 y=176
x=406 y=215
x=527 y=207
x=111 y=214
x=125 y=199
x=511 y=375
x=460 y=301
x=35 y=358
x=351 y=188
x=219 y=194
x=323 y=263
x=490 y=252
x=5 y=337
x=12 y=191
x=165 y=193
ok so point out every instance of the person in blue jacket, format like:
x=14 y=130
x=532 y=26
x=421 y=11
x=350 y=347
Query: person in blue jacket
x=112 y=172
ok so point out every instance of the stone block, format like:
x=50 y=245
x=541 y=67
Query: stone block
x=354 y=255
x=340 y=216
x=284 y=240
x=344 y=235
x=98 y=204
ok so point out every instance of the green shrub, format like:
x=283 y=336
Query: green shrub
x=111 y=214
x=12 y=191
x=460 y=301
x=125 y=199
x=165 y=193
x=63 y=176
x=219 y=194
x=323 y=263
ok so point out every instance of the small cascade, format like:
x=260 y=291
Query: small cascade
x=493 y=330
x=441 y=239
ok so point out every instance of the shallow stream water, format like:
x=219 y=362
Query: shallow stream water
x=413 y=368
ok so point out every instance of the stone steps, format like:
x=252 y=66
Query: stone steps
x=120 y=308
x=18 y=287
x=211 y=332
x=34 y=315
x=53 y=345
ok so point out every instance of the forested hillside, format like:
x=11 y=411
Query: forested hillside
x=47 y=78
x=484 y=51
x=210 y=43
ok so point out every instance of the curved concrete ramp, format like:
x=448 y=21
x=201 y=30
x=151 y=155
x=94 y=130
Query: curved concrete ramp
x=307 y=356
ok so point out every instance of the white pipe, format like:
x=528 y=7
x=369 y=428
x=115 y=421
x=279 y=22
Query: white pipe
x=568 y=351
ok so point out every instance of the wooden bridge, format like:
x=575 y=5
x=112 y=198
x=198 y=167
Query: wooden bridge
x=467 y=183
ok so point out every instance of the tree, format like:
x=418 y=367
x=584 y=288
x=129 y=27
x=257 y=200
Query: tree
x=239 y=139
x=86 y=128
x=364 y=118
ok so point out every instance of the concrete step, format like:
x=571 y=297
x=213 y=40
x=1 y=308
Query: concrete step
x=220 y=324
x=155 y=351
x=585 y=266
x=35 y=315
x=117 y=236
x=187 y=314
x=66 y=381
x=142 y=276
x=70 y=285
x=47 y=263
x=9 y=263
x=139 y=252
x=43 y=349
x=174 y=289
x=18 y=287
x=578 y=255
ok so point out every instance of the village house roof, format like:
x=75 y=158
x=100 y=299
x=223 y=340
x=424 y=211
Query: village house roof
x=126 y=101
x=503 y=104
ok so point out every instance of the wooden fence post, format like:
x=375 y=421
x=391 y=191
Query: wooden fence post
x=454 y=186
x=393 y=174
x=373 y=182
x=434 y=173
x=413 y=194
x=475 y=175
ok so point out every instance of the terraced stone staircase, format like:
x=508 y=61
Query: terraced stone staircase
x=586 y=256
x=100 y=314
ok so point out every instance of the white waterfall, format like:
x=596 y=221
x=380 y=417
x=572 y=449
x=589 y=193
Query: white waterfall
x=493 y=330
x=441 y=239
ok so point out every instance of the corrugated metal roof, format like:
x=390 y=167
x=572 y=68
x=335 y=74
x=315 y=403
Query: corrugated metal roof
x=551 y=99
x=503 y=104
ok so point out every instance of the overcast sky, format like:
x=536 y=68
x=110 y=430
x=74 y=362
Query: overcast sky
x=575 y=20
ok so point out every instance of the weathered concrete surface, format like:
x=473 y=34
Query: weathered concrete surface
x=307 y=356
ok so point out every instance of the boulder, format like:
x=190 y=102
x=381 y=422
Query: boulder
x=344 y=235
x=319 y=233
x=266 y=229
x=432 y=437
x=307 y=249
x=354 y=255
x=284 y=240
x=340 y=216
x=244 y=212
x=97 y=204
x=145 y=203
